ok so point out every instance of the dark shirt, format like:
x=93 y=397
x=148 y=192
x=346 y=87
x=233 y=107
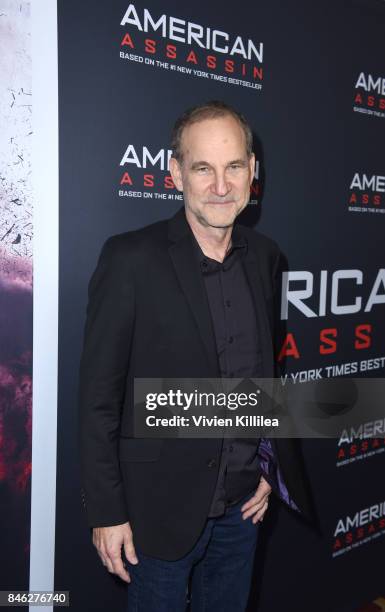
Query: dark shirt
x=234 y=323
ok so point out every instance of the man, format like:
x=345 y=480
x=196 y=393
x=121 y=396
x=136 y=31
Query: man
x=192 y=297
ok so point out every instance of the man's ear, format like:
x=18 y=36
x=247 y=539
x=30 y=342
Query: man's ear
x=176 y=173
x=252 y=167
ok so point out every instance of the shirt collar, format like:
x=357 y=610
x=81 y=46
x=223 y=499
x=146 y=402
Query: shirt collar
x=238 y=249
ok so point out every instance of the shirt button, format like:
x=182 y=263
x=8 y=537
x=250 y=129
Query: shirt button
x=231 y=448
x=212 y=463
x=228 y=303
x=231 y=340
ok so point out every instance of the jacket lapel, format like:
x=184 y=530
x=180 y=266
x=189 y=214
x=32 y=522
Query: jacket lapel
x=189 y=275
x=252 y=269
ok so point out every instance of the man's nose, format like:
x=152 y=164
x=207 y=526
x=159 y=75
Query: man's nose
x=220 y=186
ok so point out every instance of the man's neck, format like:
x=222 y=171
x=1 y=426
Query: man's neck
x=215 y=242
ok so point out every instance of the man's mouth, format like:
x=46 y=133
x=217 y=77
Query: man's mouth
x=219 y=202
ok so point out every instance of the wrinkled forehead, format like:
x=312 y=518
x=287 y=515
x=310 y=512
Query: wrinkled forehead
x=219 y=136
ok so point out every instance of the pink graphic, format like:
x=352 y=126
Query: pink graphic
x=16 y=233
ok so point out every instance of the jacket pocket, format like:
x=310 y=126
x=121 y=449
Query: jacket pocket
x=139 y=449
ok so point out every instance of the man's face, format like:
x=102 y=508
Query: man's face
x=216 y=172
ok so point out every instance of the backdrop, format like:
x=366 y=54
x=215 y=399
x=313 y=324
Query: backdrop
x=310 y=77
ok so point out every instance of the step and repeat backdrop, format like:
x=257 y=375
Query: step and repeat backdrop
x=310 y=78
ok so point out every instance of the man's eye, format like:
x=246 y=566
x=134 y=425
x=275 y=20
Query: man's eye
x=235 y=166
x=202 y=169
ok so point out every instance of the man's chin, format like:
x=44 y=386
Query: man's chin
x=219 y=218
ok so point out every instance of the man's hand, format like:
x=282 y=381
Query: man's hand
x=109 y=542
x=257 y=505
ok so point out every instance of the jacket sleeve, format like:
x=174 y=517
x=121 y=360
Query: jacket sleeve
x=102 y=382
x=267 y=456
x=279 y=326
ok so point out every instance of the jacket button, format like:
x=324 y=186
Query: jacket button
x=212 y=463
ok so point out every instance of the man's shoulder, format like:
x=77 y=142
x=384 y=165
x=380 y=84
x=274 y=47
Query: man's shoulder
x=259 y=241
x=151 y=236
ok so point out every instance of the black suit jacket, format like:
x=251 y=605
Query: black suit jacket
x=148 y=316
